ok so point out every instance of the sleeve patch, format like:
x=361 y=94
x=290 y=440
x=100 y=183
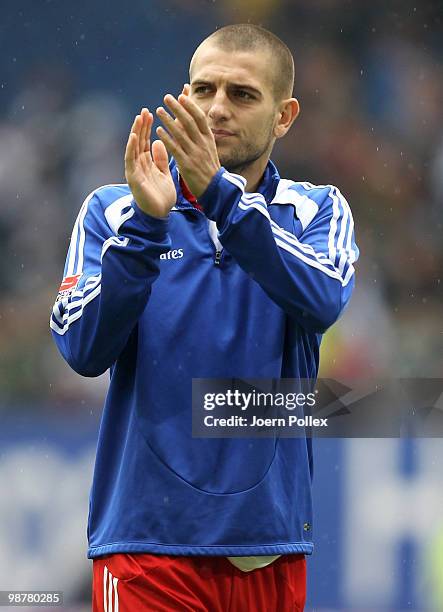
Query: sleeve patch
x=69 y=283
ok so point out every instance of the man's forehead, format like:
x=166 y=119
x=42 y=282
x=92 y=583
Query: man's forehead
x=211 y=62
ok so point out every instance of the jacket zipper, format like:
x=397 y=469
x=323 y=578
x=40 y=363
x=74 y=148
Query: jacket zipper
x=218 y=253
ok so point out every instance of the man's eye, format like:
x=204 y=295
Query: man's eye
x=241 y=93
x=201 y=89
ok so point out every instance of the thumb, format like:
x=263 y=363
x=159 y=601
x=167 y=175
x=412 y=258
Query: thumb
x=160 y=156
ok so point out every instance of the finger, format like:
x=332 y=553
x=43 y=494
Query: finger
x=148 y=133
x=186 y=89
x=160 y=156
x=142 y=133
x=131 y=145
x=145 y=132
x=136 y=126
x=145 y=159
x=171 y=145
x=130 y=151
x=182 y=113
x=195 y=112
x=174 y=128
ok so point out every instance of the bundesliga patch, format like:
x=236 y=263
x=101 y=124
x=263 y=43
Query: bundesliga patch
x=69 y=283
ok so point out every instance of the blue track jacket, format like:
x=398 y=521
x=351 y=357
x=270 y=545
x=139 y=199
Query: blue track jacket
x=157 y=302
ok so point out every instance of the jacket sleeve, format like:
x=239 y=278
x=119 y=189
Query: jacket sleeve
x=108 y=275
x=308 y=272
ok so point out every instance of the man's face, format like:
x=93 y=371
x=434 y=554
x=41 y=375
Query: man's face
x=234 y=89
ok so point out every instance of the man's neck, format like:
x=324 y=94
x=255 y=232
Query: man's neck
x=253 y=174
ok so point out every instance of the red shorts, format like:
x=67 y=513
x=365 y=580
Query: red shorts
x=165 y=583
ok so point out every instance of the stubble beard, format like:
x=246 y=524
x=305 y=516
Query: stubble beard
x=242 y=157
x=238 y=160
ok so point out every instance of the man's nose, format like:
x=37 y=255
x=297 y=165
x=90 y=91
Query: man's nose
x=219 y=108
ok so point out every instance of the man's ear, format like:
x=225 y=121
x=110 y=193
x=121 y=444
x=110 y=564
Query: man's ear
x=289 y=111
x=186 y=89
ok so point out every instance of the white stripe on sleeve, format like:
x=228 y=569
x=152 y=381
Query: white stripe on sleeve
x=305 y=207
x=114 y=212
x=235 y=179
x=66 y=311
x=305 y=252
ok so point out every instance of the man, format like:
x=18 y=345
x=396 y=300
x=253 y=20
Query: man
x=211 y=266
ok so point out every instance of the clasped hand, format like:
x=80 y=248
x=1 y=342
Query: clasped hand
x=187 y=137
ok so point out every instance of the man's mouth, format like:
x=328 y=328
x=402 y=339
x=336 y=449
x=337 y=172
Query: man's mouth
x=220 y=134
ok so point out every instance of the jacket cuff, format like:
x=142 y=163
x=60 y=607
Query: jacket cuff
x=209 y=199
x=157 y=226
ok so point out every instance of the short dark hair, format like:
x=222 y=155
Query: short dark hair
x=250 y=37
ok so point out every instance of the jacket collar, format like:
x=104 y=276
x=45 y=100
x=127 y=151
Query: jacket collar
x=267 y=187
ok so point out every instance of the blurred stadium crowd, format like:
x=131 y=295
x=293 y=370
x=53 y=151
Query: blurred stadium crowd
x=370 y=83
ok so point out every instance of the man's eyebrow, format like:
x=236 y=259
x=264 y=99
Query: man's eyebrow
x=231 y=85
x=200 y=82
x=245 y=86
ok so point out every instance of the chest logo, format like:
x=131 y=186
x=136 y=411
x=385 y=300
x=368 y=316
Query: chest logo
x=174 y=254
